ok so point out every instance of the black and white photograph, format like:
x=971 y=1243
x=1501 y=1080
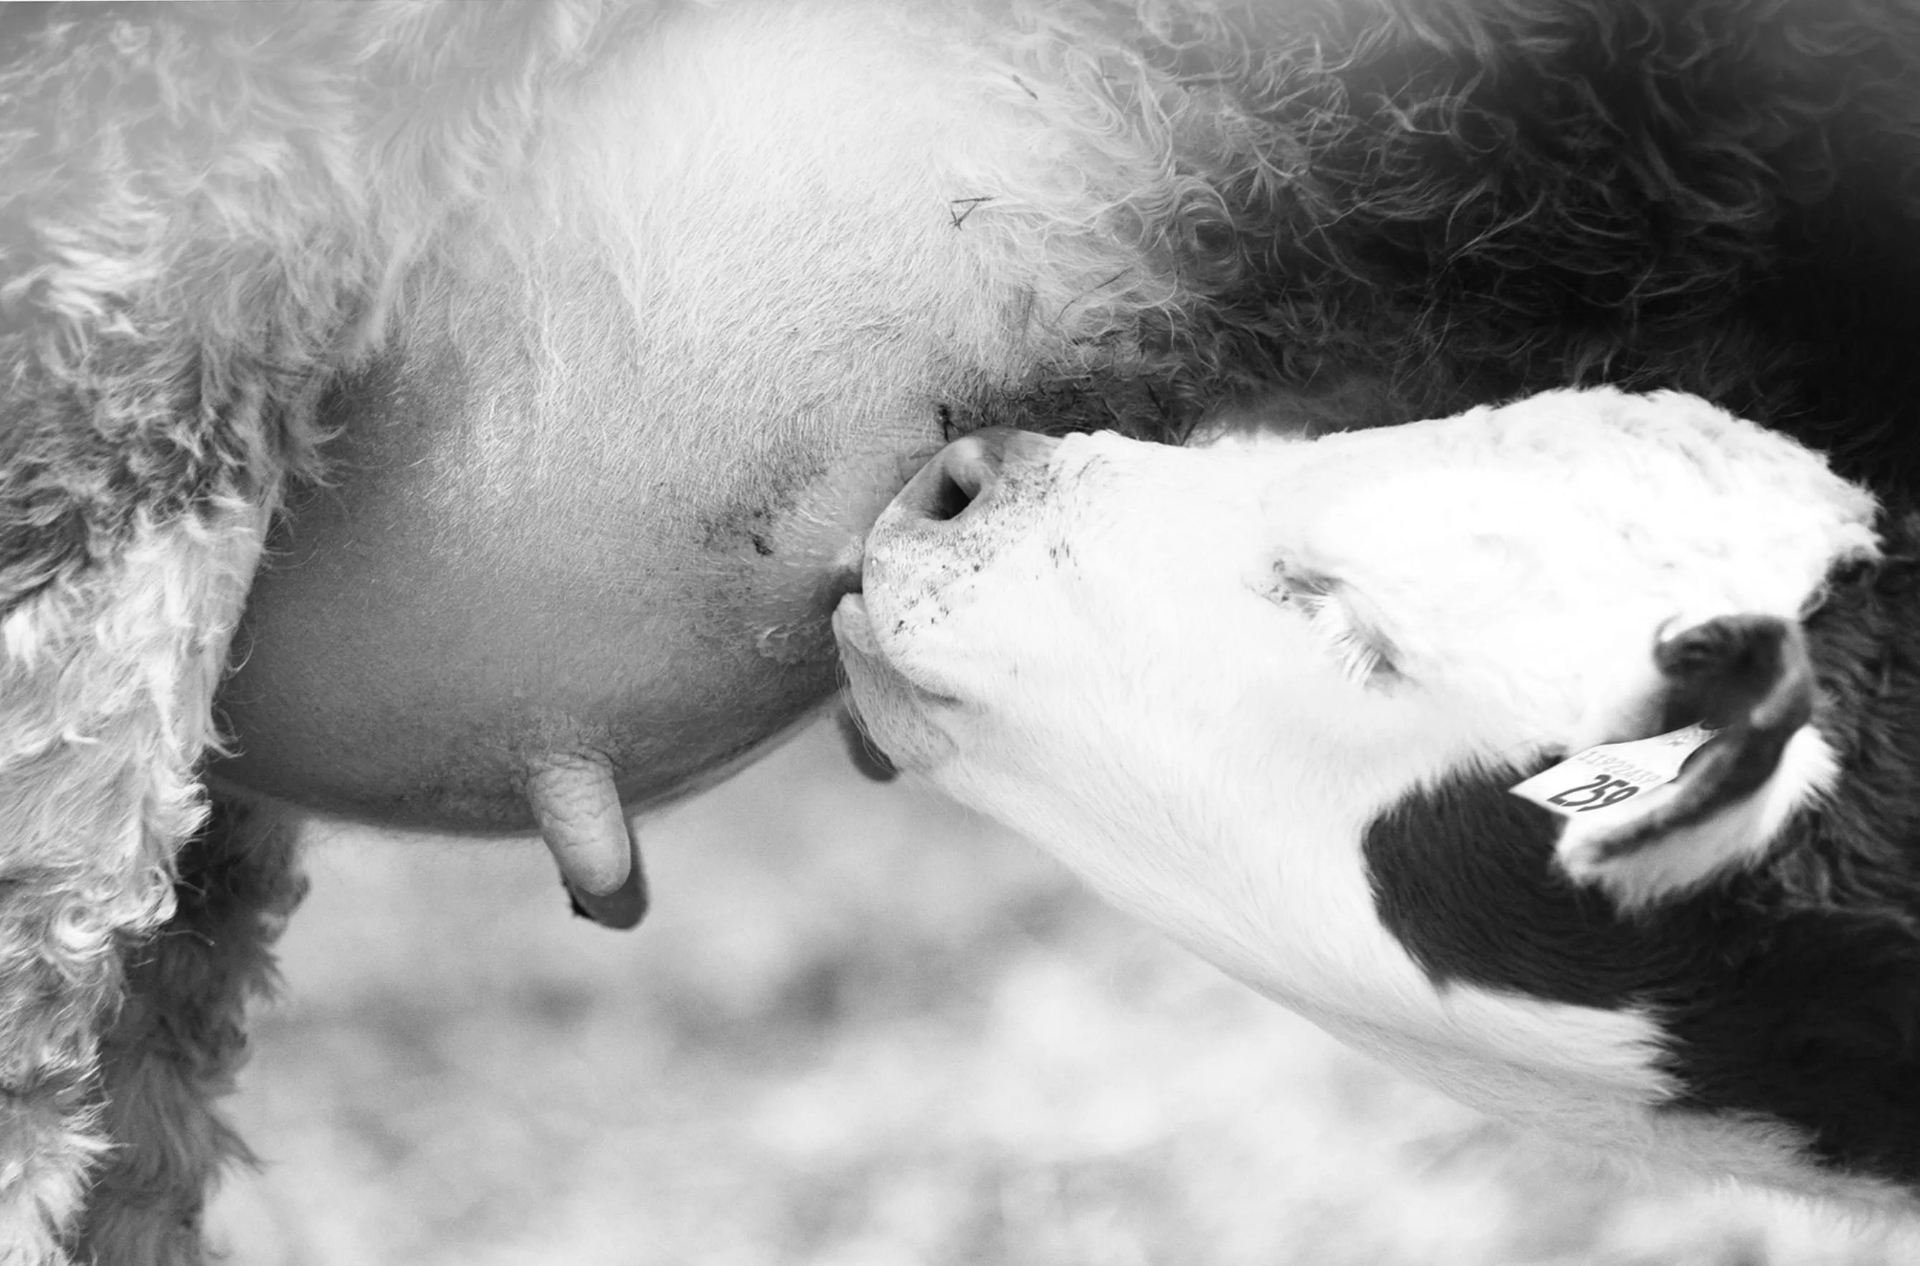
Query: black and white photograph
x=960 y=633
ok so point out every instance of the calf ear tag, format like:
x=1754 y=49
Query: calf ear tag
x=1603 y=781
x=1655 y=819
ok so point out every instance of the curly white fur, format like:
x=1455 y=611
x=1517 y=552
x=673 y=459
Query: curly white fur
x=108 y=688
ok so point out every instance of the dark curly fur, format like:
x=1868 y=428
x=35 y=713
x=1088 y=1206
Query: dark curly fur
x=1478 y=199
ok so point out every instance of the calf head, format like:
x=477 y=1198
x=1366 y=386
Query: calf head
x=1271 y=694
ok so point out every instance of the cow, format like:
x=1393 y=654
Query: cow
x=1563 y=754
x=468 y=416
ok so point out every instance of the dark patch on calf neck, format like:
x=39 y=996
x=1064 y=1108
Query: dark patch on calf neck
x=1791 y=991
x=1463 y=876
x=1769 y=1004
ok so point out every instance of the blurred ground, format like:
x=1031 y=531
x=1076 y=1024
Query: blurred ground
x=863 y=1029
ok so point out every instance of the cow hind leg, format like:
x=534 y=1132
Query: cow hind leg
x=180 y=1037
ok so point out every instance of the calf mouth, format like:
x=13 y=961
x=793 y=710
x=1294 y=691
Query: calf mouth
x=859 y=654
x=888 y=712
x=868 y=758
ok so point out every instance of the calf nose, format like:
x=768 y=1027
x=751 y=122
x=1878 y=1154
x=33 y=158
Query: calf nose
x=968 y=472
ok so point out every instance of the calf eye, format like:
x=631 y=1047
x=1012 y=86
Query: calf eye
x=1364 y=654
x=1300 y=588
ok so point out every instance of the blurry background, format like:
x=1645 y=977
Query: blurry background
x=862 y=1028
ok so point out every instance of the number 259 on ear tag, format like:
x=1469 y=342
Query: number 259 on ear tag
x=1607 y=777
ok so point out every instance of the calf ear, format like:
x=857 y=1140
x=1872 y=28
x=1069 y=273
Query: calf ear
x=1748 y=679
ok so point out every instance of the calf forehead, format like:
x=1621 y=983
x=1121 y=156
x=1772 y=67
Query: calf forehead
x=1656 y=481
x=1538 y=547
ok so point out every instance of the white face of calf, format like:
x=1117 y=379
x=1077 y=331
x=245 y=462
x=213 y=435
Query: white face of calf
x=1201 y=677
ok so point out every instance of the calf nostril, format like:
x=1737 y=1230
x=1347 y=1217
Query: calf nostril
x=967 y=469
x=959 y=475
x=951 y=496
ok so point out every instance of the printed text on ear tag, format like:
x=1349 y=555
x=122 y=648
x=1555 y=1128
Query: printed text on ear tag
x=1611 y=775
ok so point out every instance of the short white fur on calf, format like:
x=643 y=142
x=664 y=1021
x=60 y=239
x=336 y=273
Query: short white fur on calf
x=1530 y=554
x=1198 y=676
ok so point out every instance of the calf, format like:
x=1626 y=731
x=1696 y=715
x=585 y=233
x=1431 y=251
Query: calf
x=1276 y=696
